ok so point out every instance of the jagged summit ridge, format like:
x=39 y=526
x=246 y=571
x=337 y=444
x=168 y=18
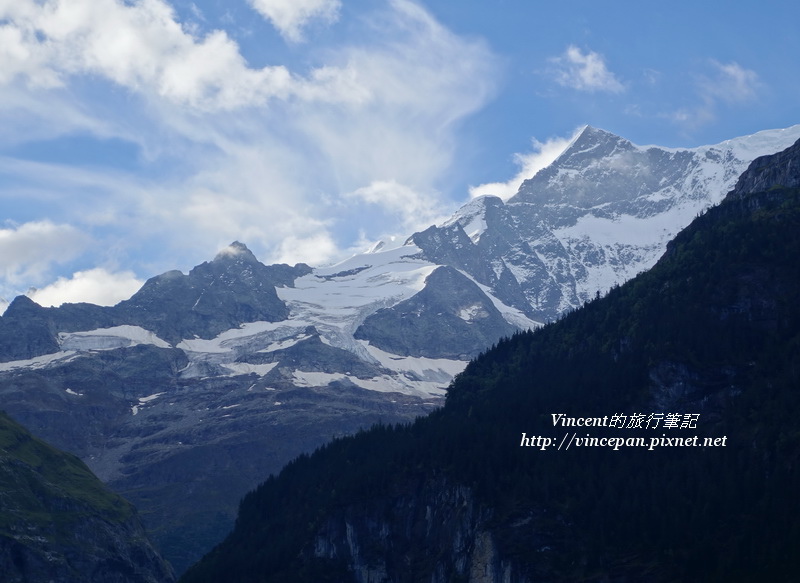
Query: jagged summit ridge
x=590 y=145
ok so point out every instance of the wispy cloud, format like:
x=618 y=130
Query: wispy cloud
x=543 y=154
x=728 y=83
x=584 y=71
x=313 y=248
x=291 y=16
x=412 y=209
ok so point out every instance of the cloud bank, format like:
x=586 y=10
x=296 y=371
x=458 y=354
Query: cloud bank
x=144 y=48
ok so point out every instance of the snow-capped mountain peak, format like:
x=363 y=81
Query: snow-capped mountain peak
x=236 y=251
x=599 y=214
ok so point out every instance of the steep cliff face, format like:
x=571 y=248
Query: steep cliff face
x=766 y=172
x=59 y=523
x=430 y=530
x=98 y=552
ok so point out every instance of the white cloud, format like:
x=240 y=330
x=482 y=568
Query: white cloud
x=144 y=48
x=585 y=72
x=386 y=149
x=544 y=153
x=29 y=250
x=96 y=286
x=692 y=117
x=291 y=16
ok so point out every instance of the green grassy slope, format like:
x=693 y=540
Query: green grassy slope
x=60 y=523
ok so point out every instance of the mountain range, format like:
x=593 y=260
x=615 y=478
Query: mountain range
x=648 y=436
x=188 y=394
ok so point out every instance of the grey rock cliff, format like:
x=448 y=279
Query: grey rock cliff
x=768 y=172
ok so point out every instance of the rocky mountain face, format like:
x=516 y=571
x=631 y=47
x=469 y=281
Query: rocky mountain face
x=190 y=393
x=423 y=515
x=59 y=523
x=689 y=474
x=781 y=170
x=451 y=317
x=214 y=297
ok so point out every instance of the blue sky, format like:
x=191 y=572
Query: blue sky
x=144 y=135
